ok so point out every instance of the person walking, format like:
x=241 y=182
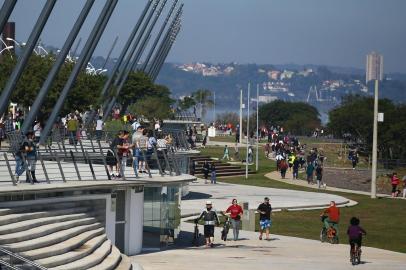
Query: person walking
x=264 y=210
x=30 y=150
x=235 y=211
x=206 y=170
x=99 y=128
x=295 y=168
x=72 y=127
x=395 y=181
x=210 y=219
x=309 y=172
x=226 y=153
x=37 y=131
x=283 y=167
x=213 y=173
x=319 y=176
x=123 y=150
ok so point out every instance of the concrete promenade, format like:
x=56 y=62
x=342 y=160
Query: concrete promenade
x=221 y=195
x=281 y=253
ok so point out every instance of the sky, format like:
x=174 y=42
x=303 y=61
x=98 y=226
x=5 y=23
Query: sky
x=325 y=32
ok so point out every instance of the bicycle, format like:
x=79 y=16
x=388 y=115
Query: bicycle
x=226 y=228
x=196 y=235
x=328 y=234
x=356 y=255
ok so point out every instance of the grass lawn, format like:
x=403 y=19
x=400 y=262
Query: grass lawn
x=383 y=219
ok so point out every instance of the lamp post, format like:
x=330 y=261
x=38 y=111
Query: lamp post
x=375 y=143
x=248 y=130
x=256 y=154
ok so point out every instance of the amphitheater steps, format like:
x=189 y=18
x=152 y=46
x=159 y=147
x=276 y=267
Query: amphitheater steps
x=67 y=235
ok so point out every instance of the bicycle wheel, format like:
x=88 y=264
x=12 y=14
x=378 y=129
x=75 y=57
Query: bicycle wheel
x=359 y=255
x=323 y=235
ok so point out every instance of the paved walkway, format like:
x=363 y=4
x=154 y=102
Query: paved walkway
x=281 y=253
x=221 y=195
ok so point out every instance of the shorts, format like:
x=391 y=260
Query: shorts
x=266 y=223
x=394 y=188
x=357 y=241
x=208 y=231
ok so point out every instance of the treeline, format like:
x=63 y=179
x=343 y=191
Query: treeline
x=149 y=98
x=354 y=118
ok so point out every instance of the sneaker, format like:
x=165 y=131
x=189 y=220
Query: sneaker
x=17 y=178
x=113 y=175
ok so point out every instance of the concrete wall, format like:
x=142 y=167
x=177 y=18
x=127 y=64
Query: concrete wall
x=134 y=221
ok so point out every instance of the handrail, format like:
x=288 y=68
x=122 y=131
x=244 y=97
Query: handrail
x=20 y=258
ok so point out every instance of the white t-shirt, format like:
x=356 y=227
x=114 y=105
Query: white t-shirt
x=37 y=130
x=135 y=125
x=99 y=124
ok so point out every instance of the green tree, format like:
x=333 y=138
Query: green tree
x=203 y=98
x=296 y=117
x=139 y=86
x=355 y=117
x=186 y=103
x=151 y=107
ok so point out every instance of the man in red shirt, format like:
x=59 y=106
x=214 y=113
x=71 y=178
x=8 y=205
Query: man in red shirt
x=235 y=212
x=333 y=214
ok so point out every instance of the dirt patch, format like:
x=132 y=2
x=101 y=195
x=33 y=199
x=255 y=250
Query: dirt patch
x=357 y=179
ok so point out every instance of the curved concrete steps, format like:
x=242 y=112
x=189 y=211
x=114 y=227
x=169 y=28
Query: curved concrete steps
x=87 y=262
x=27 y=224
x=63 y=247
x=110 y=262
x=17 y=217
x=125 y=263
x=44 y=230
x=76 y=254
x=68 y=236
x=51 y=239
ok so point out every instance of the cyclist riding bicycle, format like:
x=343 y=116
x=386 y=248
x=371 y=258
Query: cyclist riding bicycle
x=332 y=216
x=355 y=233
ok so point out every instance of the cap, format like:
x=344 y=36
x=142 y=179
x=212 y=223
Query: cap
x=266 y=199
x=208 y=202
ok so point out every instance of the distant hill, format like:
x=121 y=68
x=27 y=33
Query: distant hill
x=286 y=82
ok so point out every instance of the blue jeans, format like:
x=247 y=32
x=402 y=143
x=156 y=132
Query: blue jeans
x=213 y=177
x=20 y=166
x=135 y=160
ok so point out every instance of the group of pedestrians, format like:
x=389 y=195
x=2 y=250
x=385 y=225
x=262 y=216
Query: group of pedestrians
x=234 y=213
x=209 y=168
x=138 y=149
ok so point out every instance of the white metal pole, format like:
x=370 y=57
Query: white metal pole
x=257 y=152
x=248 y=130
x=240 y=142
x=375 y=143
x=214 y=107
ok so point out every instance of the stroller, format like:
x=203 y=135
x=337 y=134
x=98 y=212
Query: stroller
x=226 y=228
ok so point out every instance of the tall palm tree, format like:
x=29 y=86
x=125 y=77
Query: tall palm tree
x=203 y=98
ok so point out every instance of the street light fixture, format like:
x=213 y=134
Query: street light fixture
x=8 y=48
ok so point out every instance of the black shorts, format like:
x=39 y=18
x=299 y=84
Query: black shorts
x=208 y=231
x=357 y=241
x=394 y=188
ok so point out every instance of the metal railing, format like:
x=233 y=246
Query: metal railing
x=11 y=260
x=83 y=158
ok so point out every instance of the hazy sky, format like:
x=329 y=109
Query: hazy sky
x=331 y=32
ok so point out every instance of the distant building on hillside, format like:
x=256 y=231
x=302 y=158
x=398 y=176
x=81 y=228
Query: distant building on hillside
x=374 y=67
x=274 y=74
x=286 y=74
x=266 y=99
